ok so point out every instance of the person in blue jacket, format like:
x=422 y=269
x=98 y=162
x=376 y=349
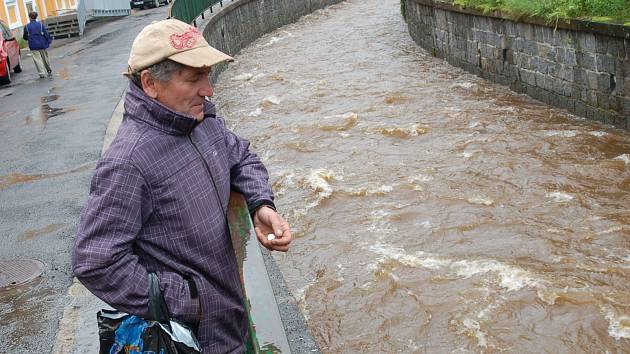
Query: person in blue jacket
x=39 y=40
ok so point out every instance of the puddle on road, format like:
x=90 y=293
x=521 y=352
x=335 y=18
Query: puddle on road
x=46 y=230
x=18 y=178
x=44 y=112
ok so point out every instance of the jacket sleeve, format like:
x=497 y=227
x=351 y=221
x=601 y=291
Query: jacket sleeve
x=248 y=175
x=46 y=34
x=25 y=34
x=104 y=259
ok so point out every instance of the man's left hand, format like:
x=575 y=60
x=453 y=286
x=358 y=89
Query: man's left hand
x=268 y=221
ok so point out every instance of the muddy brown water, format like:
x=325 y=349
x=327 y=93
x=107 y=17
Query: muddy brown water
x=433 y=211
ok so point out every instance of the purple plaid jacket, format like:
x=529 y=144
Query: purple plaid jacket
x=157 y=204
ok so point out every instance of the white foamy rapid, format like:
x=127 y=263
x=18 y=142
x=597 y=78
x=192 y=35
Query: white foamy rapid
x=479 y=200
x=464 y=85
x=279 y=38
x=598 y=134
x=618 y=325
x=474 y=329
x=270 y=100
x=559 y=197
x=318 y=181
x=338 y=122
x=371 y=190
x=625 y=158
x=243 y=77
x=255 y=113
x=510 y=278
x=561 y=133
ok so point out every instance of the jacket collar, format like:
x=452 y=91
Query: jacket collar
x=140 y=107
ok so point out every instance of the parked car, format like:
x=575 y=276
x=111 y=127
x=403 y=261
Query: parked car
x=144 y=4
x=9 y=54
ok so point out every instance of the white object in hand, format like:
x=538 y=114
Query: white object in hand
x=271 y=237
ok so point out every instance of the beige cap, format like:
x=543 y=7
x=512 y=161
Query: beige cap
x=175 y=40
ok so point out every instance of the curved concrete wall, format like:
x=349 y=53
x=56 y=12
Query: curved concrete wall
x=239 y=23
x=581 y=66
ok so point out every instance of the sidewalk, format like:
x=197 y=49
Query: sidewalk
x=53 y=131
x=78 y=331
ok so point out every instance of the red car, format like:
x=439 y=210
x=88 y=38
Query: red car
x=9 y=54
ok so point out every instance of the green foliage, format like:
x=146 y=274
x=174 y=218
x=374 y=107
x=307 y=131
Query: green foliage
x=553 y=10
x=22 y=42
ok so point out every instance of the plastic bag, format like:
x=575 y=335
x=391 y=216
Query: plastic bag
x=120 y=332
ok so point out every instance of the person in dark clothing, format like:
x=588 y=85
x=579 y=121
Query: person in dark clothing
x=39 y=40
x=160 y=193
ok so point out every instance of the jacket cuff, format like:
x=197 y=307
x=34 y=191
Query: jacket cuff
x=259 y=203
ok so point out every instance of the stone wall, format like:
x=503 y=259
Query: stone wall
x=581 y=66
x=239 y=23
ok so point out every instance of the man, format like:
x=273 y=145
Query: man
x=38 y=42
x=159 y=196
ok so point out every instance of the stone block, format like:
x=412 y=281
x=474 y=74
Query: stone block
x=592 y=80
x=615 y=47
x=580 y=108
x=570 y=57
x=605 y=63
x=527 y=76
x=526 y=31
x=586 y=61
x=587 y=42
x=487 y=51
x=616 y=103
x=575 y=91
x=544 y=50
x=591 y=98
x=539 y=79
x=626 y=106
x=579 y=76
x=603 y=101
x=530 y=48
x=487 y=65
x=508 y=56
x=510 y=28
x=566 y=73
x=518 y=44
x=566 y=103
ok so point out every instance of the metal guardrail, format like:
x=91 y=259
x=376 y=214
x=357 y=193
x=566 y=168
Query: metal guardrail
x=188 y=10
x=266 y=331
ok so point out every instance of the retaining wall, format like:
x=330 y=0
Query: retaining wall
x=578 y=65
x=239 y=23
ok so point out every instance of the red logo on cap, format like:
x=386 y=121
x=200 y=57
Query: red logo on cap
x=186 y=39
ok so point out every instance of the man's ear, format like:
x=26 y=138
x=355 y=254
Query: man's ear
x=148 y=84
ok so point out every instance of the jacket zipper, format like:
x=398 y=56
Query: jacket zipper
x=216 y=191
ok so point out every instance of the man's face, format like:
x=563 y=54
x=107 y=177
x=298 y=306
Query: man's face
x=186 y=91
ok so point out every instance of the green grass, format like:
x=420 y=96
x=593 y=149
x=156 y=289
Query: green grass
x=610 y=11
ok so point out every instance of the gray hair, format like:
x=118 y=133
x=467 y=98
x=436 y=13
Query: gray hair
x=162 y=71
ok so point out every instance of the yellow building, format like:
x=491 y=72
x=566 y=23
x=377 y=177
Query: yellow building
x=15 y=12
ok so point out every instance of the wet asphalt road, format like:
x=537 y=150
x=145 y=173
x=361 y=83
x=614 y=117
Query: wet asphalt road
x=51 y=137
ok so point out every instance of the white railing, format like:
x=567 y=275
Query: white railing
x=87 y=9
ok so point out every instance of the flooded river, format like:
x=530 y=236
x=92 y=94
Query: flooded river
x=433 y=211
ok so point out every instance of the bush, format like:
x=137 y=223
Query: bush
x=552 y=10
